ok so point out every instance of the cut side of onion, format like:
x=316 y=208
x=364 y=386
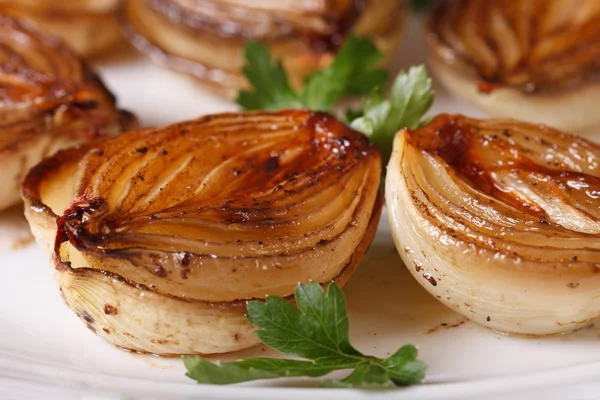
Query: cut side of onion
x=177 y=227
x=205 y=38
x=500 y=221
x=536 y=61
x=50 y=100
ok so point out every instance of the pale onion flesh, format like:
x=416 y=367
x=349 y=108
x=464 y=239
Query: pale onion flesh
x=49 y=100
x=530 y=45
x=160 y=236
x=500 y=221
x=205 y=38
x=89 y=27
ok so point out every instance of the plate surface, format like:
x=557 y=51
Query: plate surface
x=46 y=352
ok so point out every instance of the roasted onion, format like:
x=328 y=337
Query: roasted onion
x=89 y=27
x=159 y=236
x=500 y=220
x=205 y=38
x=535 y=60
x=49 y=100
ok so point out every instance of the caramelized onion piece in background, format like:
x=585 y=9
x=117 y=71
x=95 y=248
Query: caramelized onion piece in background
x=500 y=220
x=536 y=60
x=49 y=100
x=176 y=227
x=205 y=38
x=89 y=27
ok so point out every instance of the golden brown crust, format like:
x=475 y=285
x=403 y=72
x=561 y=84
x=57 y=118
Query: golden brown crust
x=177 y=179
x=481 y=151
x=499 y=220
x=210 y=213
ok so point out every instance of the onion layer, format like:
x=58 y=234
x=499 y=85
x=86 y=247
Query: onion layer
x=534 y=60
x=49 y=100
x=205 y=38
x=89 y=27
x=526 y=44
x=181 y=224
x=500 y=220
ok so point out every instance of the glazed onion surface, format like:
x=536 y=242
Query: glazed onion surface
x=500 y=220
x=89 y=27
x=534 y=44
x=49 y=100
x=205 y=38
x=202 y=215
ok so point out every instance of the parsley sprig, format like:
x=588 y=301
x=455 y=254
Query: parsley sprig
x=410 y=98
x=317 y=330
x=352 y=72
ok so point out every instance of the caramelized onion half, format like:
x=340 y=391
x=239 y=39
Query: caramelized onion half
x=535 y=60
x=89 y=27
x=205 y=38
x=49 y=100
x=500 y=220
x=176 y=227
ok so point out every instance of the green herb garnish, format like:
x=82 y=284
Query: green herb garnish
x=270 y=87
x=409 y=100
x=422 y=5
x=316 y=331
x=352 y=72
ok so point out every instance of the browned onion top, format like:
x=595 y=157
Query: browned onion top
x=519 y=164
x=507 y=191
x=253 y=196
x=528 y=44
x=44 y=87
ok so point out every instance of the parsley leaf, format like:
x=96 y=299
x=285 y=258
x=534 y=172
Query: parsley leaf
x=204 y=371
x=422 y=5
x=271 y=89
x=411 y=96
x=352 y=72
x=317 y=331
x=351 y=114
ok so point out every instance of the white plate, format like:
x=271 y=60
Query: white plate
x=46 y=352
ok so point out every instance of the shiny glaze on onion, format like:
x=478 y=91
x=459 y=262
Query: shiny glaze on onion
x=204 y=215
x=500 y=220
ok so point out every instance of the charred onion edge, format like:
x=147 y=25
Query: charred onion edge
x=31 y=193
x=340 y=279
